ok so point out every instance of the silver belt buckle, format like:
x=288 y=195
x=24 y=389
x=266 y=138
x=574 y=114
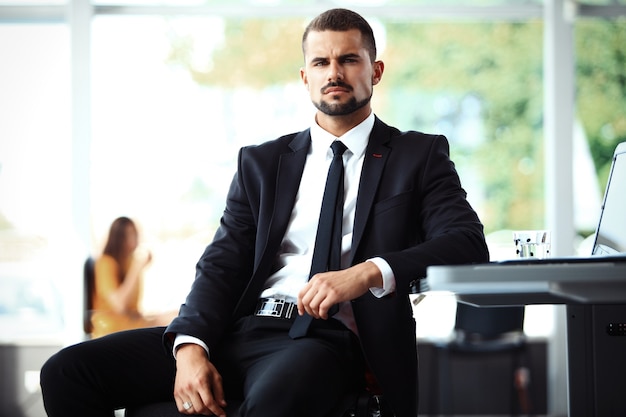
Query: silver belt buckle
x=273 y=307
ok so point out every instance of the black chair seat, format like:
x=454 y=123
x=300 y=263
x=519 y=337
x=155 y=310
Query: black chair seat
x=364 y=405
x=168 y=409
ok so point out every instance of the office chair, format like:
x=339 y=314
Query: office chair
x=365 y=404
x=88 y=292
x=479 y=332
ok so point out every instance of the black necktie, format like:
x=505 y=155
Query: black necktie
x=327 y=251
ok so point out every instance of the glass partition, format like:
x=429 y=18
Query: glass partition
x=601 y=87
x=174 y=99
x=305 y=3
x=36 y=235
x=175 y=96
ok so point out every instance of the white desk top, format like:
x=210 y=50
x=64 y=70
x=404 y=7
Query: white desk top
x=559 y=281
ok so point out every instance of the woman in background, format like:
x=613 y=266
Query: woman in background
x=118 y=282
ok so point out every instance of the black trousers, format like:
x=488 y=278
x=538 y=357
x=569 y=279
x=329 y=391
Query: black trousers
x=272 y=374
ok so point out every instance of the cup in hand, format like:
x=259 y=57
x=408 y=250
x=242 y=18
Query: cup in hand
x=532 y=243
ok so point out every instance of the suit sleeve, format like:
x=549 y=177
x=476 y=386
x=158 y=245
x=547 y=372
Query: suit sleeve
x=442 y=227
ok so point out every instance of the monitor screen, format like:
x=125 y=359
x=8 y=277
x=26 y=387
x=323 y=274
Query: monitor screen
x=611 y=232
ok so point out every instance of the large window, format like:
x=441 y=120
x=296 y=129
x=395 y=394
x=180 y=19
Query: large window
x=180 y=96
x=36 y=233
x=601 y=87
x=174 y=98
x=174 y=95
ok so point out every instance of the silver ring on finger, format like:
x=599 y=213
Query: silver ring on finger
x=187 y=405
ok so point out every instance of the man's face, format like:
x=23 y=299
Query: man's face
x=339 y=73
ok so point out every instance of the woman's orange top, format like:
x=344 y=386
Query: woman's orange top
x=104 y=319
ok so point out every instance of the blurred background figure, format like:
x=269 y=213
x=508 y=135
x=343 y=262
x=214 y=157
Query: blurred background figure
x=118 y=283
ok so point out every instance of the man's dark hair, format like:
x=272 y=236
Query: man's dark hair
x=342 y=20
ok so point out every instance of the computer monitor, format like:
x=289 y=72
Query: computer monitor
x=611 y=232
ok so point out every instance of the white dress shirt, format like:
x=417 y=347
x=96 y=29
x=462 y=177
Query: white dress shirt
x=296 y=251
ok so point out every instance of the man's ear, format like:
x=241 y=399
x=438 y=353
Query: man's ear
x=304 y=78
x=377 y=73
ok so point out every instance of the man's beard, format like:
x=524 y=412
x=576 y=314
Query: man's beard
x=341 y=109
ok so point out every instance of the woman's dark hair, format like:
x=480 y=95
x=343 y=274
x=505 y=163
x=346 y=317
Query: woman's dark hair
x=116 y=242
x=342 y=20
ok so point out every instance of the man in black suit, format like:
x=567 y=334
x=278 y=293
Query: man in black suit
x=404 y=209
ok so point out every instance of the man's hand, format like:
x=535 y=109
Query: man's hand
x=198 y=386
x=326 y=289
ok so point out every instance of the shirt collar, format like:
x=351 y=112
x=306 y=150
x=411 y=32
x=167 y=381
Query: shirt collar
x=355 y=139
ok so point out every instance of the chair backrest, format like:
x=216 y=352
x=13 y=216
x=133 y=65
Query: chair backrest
x=88 y=292
x=488 y=322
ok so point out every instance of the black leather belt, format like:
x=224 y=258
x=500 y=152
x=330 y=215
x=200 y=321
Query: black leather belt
x=276 y=308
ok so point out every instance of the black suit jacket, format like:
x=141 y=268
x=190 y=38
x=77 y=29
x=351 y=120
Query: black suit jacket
x=411 y=211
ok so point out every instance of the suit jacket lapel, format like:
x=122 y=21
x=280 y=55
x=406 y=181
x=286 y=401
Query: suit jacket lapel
x=376 y=155
x=291 y=165
x=290 y=170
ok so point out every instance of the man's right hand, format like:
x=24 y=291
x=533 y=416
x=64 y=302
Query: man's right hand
x=198 y=385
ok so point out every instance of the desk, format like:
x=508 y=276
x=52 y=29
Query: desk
x=595 y=297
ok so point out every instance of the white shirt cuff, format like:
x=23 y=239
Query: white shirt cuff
x=183 y=338
x=389 y=280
